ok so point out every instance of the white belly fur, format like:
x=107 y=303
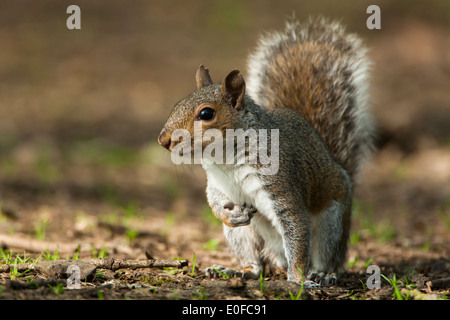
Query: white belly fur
x=241 y=184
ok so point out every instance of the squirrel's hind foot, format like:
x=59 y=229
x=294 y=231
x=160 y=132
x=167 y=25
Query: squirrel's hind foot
x=225 y=272
x=307 y=283
x=325 y=279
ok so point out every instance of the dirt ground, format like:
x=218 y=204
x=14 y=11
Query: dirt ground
x=83 y=180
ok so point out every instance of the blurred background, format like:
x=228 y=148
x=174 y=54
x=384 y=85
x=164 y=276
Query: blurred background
x=80 y=111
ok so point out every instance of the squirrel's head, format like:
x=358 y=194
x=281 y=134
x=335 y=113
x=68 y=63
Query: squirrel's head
x=215 y=106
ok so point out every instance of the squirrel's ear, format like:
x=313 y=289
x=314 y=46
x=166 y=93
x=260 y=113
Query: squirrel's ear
x=202 y=77
x=234 y=86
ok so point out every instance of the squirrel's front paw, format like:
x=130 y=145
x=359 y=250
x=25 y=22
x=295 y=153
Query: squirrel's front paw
x=234 y=215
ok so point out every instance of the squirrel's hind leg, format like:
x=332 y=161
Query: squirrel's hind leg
x=330 y=230
x=245 y=244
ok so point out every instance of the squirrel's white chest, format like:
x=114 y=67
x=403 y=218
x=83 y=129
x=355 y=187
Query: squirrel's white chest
x=242 y=185
x=239 y=183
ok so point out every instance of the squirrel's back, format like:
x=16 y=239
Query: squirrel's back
x=320 y=71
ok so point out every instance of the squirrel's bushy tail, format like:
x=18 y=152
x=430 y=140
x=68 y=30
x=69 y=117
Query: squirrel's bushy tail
x=320 y=71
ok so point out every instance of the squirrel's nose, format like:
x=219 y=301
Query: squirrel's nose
x=164 y=139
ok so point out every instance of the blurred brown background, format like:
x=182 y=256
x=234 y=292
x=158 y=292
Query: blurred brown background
x=80 y=111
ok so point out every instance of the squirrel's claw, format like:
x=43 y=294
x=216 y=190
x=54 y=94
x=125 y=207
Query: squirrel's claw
x=323 y=279
x=307 y=283
x=221 y=271
x=310 y=284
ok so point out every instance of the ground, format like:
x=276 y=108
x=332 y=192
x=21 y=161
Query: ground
x=82 y=176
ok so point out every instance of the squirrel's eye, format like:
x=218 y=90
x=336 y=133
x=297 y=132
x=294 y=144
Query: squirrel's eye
x=206 y=114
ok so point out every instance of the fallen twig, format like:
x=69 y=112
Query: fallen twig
x=438 y=283
x=58 y=267
x=113 y=264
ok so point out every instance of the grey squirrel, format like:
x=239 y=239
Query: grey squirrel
x=310 y=83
